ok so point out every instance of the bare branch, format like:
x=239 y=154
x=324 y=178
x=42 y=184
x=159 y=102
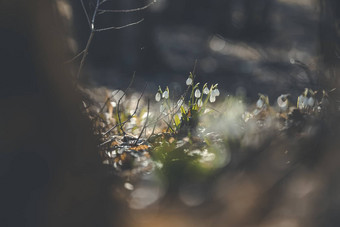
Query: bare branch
x=85 y=11
x=146 y=121
x=85 y=53
x=119 y=119
x=133 y=114
x=93 y=30
x=107 y=100
x=101 y=11
x=94 y=15
x=116 y=28
x=75 y=57
x=102 y=2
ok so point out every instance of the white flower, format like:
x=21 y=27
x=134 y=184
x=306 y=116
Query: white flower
x=282 y=101
x=212 y=98
x=113 y=104
x=302 y=102
x=189 y=81
x=259 y=103
x=158 y=97
x=197 y=93
x=216 y=92
x=206 y=90
x=310 y=101
x=200 y=103
x=165 y=95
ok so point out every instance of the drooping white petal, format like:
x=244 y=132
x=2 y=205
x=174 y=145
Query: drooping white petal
x=282 y=101
x=302 y=102
x=165 y=95
x=216 y=92
x=197 y=93
x=200 y=103
x=212 y=98
x=310 y=101
x=259 y=103
x=206 y=90
x=158 y=96
x=189 y=81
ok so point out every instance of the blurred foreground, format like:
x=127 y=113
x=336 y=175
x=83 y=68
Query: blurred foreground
x=261 y=172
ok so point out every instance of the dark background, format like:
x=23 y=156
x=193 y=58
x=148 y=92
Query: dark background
x=243 y=45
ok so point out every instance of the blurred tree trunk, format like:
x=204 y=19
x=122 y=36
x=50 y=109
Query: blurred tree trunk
x=50 y=171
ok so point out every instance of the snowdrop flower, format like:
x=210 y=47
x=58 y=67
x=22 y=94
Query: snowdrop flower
x=216 y=92
x=158 y=97
x=197 y=93
x=189 y=81
x=200 y=103
x=282 y=101
x=302 y=102
x=310 y=101
x=259 y=103
x=212 y=98
x=206 y=90
x=165 y=95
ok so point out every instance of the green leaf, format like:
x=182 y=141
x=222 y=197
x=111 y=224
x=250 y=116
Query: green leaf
x=183 y=111
x=177 y=121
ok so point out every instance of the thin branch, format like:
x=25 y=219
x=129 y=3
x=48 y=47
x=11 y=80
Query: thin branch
x=94 y=15
x=75 y=57
x=120 y=99
x=85 y=53
x=133 y=114
x=146 y=121
x=107 y=100
x=120 y=27
x=101 y=11
x=93 y=30
x=87 y=15
x=106 y=142
x=102 y=2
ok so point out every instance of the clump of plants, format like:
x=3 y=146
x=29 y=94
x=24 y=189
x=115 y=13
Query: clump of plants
x=193 y=136
x=183 y=147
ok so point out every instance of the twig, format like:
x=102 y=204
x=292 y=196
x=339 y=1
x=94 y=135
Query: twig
x=102 y=2
x=106 y=142
x=146 y=121
x=91 y=24
x=107 y=100
x=85 y=53
x=120 y=99
x=75 y=57
x=94 y=15
x=120 y=27
x=86 y=14
x=133 y=114
x=126 y=10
